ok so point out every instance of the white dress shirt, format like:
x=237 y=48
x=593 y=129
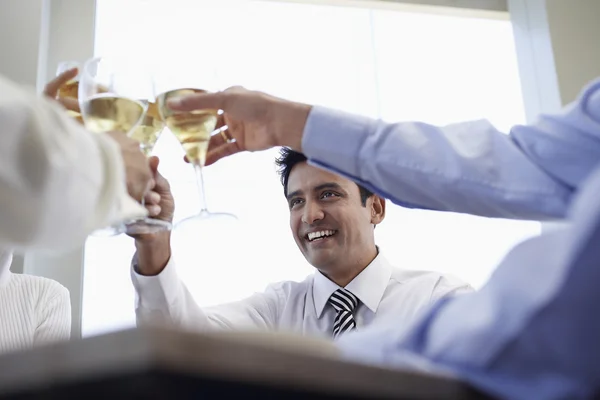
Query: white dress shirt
x=386 y=294
x=58 y=182
x=33 y=310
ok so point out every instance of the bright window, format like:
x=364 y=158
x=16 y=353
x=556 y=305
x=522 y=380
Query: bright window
x=385 y=63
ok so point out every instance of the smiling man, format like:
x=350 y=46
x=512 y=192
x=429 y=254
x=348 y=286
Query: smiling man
x=333 y=222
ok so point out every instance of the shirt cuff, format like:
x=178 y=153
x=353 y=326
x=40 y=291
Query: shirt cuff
x=119 y=206
x=156 y=291
x=333 y=139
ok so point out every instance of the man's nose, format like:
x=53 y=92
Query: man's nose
x=312 y=212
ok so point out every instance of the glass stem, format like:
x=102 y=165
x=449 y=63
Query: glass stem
x=143 y=202
x=202 y=194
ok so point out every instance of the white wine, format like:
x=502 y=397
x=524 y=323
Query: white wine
x=108 y=113
x=148 y=131
x=193 y=129
x=70 y=90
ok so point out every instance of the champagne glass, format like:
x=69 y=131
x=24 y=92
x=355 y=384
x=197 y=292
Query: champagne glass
x=150 y=129
x=114 y=98
x=147 y=134
x=193 y=130
x=71 y=88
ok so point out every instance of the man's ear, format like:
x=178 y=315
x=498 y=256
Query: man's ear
x=377 y=209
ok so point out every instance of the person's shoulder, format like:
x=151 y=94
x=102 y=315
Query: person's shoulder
x=291 y=288
x=43 y=288
x=436 y=278
x=435 y=284
x=404 y=275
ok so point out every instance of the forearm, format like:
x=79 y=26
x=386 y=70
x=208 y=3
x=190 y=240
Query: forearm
x=183 y=313
x=469 y=167
x=164 y=299
x=153 y=254
x=289 y=119
x=54 y=174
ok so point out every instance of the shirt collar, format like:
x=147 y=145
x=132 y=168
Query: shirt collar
x=368 y=286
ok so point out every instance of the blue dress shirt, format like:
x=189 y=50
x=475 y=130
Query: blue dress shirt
x=531 y=332
x=468 y=167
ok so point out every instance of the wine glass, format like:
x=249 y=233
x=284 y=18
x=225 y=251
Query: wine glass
x=150 y=129
x=114 y=98
x=147 y=134
x=71 y=88
x=193 y=130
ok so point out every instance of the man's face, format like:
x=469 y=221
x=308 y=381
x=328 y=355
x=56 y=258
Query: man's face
x=329 y=223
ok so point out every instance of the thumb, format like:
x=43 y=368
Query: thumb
x=153 y=163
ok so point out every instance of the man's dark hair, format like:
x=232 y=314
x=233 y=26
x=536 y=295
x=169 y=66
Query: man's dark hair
x=288 y=159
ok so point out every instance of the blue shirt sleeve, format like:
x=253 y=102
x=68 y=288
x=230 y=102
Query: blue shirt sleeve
x=530 y=333
x=468 y=167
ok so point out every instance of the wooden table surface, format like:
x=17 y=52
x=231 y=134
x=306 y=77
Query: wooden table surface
x=161 y=363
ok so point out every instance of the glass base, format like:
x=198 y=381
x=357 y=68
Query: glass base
x=109 y=231
x=205 y=218
x=147 y=226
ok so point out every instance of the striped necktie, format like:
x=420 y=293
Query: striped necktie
x=344 y=303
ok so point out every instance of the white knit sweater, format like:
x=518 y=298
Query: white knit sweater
x=33 y=310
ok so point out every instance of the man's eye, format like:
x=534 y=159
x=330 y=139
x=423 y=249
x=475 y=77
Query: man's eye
x=328 y=194
x=295 y=202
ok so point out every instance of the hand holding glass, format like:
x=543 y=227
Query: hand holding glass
x=70 y=90
x=115 y=98
x=193 y=130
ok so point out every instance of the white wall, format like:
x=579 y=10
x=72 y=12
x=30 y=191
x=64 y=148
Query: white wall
x=490 y=5
x=36 y=34
x=574 y=31
x=20 y=29
x=557 y=44
x=71 y=32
